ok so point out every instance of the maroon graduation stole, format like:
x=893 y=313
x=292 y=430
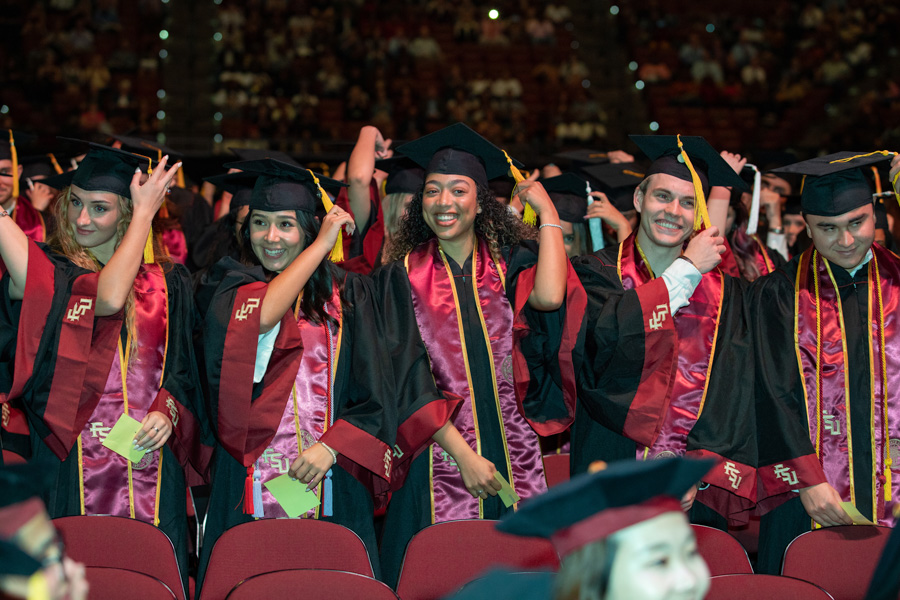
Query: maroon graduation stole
x=109 y=483
x=822 y=360
x=174 y=242
x=437 y=314
x=29 y=219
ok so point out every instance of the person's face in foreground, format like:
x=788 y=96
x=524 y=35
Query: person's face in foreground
x=667 y=210
x=658 y=559
x=844 y=239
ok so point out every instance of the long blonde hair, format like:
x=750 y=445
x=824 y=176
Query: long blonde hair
x=63 y=241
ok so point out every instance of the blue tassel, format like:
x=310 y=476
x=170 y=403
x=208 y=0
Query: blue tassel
x=327 y=504
x=257 y=495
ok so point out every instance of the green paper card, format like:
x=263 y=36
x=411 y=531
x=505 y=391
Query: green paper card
x=292 y=495
x=853 y=512
x=120 y=438
x=506 y=493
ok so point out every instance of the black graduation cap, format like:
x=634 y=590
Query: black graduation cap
x=581 y=158
x=569 y=194
x=458 y=150
x=617 y=181
x=689 y=158
x=283 y=186
x=104 y=169
x=239 y=184
x=14 y=140
x=40 y=166
x=404 y=175
x=20 y=504
x=833 y=184
x=593 y=506
x=792 y=205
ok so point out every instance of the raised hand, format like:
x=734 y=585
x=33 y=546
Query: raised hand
x=147 y=197
x=705 y=249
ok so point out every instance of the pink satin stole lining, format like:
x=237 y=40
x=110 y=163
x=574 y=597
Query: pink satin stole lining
x=105 y=473
x=313 y=385
x=436 y=314
x=835 y=451
x=697 y=325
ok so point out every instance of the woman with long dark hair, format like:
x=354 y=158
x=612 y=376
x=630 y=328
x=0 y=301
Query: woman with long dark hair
x=464 y=267
x=298 y=383
x=105 y=335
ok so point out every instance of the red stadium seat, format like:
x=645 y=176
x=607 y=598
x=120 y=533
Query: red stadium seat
x=556 y=468
x=11 y=458
x=109 y=583
x=723 y=554
x=275 y=544
x=315 y=583
x=121 y=543
x=443 y=557
x=754 y=587
x=840 y=559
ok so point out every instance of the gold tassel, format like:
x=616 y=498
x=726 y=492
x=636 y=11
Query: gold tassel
x=337 y=253
x=877 y=178
x=528 y=216
x=15 y=165
x=701 y=215
x=179 y=177
x=149 y=258
x=55 y=164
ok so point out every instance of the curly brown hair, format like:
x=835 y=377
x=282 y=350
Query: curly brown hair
x=499 y=226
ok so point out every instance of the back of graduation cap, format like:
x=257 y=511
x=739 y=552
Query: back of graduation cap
x=404 y=175
x=240 y=185
x=260 y=154
x=569 y=194
x=689 y=158
x=833 y=184
x=578 y=159
x=458 y=150
x=283 y=186
x=10 y=145
x=593 y=506
x=24 y=522
x=617 y=181
x=154 y=150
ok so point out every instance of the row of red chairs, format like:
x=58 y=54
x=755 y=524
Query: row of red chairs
x=439 y=559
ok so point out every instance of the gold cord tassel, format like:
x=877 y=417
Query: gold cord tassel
x=337 y=253
x=55 y=164
x=15 y=165
x=528 y=216
x=701 y=215
x=149 y=258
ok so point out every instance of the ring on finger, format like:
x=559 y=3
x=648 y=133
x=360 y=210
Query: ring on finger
x=156 y=429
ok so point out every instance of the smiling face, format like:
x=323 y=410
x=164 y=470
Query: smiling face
x=667 y=210
x=657 y=559
x=449 y=207
x=276 y=238
x=94 y=218
x=844 y=239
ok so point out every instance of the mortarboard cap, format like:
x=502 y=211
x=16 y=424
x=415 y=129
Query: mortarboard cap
x=283 y=186
x=240 y=185
x=792 y=205
x=260 y=154
x=617 y=181
x=10 y=146
x=569 y=194
x=458 y=150
x=581 y=158
x=104 y=169
x=506 y=585
x=689 y=158
x=404 y=175
x=146 y=147
x=834 y=184
x=593 y=506
x=39 y=166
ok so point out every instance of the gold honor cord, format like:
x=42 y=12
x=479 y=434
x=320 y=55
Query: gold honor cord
x=15 y=165
x=886 y=459
x=529 y=217
x=701 y=215
x=123 y=368
x=337 y=253
x=643 y=257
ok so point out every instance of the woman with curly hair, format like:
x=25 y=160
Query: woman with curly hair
x=105 y=335
x=464 y=267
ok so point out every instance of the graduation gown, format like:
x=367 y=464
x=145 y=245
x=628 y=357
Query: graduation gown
x=359 y=419
x=68 y=374
x=29 y=219
x=767 y=259
x=468 y=346
x=846 y=430
x=650 y=386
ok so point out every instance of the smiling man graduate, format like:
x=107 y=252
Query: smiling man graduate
x=828 y=358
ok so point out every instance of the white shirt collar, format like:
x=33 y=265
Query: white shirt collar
x=864 y=262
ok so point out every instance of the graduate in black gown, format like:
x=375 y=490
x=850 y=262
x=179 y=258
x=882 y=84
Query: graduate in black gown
x=826 y=342
x=650 y=385
x=101 y=334
x=463 y=268
x=299 y=383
